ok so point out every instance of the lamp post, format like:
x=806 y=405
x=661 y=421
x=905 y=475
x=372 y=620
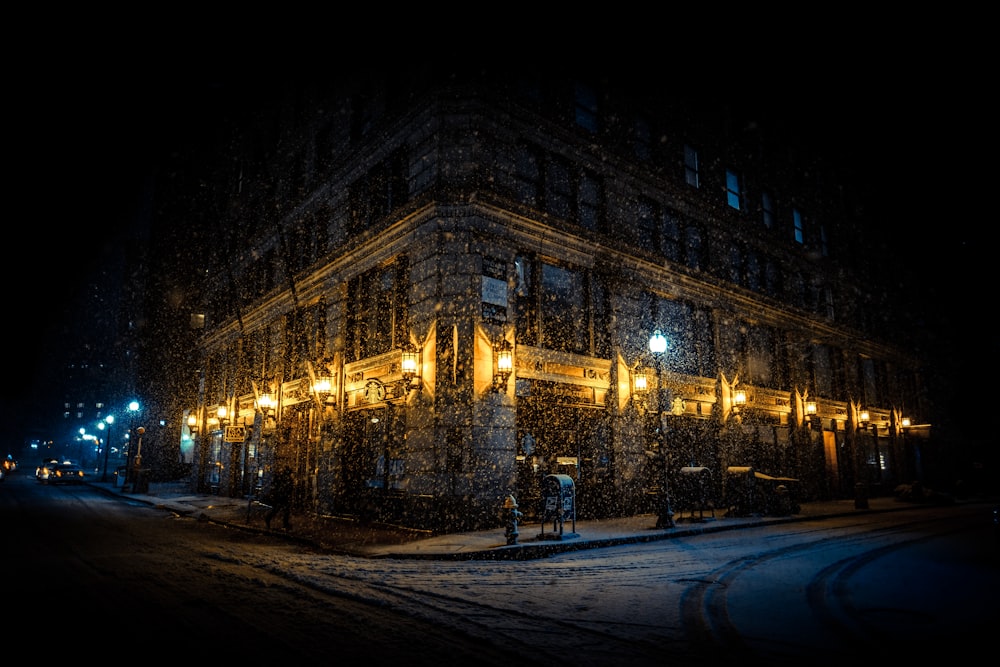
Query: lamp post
x=109 y=420
x=133 y=409
x=860 y=440
x=657 y=346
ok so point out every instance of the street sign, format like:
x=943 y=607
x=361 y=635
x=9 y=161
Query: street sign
x=236 y=433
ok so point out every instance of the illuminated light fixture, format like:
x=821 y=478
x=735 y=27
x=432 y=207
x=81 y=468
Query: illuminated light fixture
x=408 y=362
x=657 y=342
x=906 y=422
x=665 y=515
x=503 y=353
x=265 y=402
x=864 y=417
x=739 y=398
x=810 y=407
x=222 y=415
x=324 y=385
x=640 y=382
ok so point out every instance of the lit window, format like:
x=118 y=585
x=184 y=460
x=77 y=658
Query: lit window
x=734 y=193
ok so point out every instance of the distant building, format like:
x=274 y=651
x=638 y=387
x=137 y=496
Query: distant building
x=427 y=293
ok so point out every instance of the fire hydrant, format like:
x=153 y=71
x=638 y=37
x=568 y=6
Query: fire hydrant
x=511 y=515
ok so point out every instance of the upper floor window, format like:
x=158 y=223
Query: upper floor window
x=798 y=226
x=767 y=209
x=691 y=173
x=558 y=188
x=694 y=247
x=822 y=370
x=561 y=308
x=734 y=190
x=642 y=138
x=377 y=311
x=528 y=175
x=824 y=246
x=647 y=223
x=585 y=107
x=305 y=336
x=752 y=271
x=670 y=235
x=552 y=184
x=379 y=191
x=688 y=329
x=590 y=200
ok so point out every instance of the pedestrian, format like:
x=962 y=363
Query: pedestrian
x=281 y=498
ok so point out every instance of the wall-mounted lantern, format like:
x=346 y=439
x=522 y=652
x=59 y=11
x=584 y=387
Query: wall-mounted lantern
x=409 y=366
x=265 y=402
x=640 y=383
x=503 y=355
x=220 y=417
x=810 y=408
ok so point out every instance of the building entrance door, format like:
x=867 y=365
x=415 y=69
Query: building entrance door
x=564 y=440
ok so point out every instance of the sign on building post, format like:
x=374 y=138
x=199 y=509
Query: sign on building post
x=236 y=433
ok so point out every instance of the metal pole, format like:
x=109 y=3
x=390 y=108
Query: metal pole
x=131 y=451
x=666 y=518
x=107 y=445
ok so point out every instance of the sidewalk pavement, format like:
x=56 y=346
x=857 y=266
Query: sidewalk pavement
x=348 y=536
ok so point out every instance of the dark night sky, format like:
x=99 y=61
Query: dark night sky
x=82 y=143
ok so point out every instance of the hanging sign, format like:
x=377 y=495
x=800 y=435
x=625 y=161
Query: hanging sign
x=236 y=433
x=494 y=290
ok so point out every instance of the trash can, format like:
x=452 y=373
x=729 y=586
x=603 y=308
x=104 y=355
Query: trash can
x=120 y=477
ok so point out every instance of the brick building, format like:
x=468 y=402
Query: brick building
x=425 y=293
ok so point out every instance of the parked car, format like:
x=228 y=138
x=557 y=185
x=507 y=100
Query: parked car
x=59 y=472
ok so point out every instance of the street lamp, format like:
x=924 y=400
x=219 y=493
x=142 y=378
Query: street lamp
x=133 y=409
x=657 y=346
x=110 y=419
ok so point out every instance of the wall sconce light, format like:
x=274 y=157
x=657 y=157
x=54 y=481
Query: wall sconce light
x=640 y=383
x=323 y=387
x=409 y=364
x=192 y=424
x=503 y=353
x=864 y=418
x=265 y=402
x=222 y=414
x=810 y=408
x=739 y=399
x=906 y=422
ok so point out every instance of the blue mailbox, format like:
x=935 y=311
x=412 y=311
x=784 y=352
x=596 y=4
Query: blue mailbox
x=558 y=502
